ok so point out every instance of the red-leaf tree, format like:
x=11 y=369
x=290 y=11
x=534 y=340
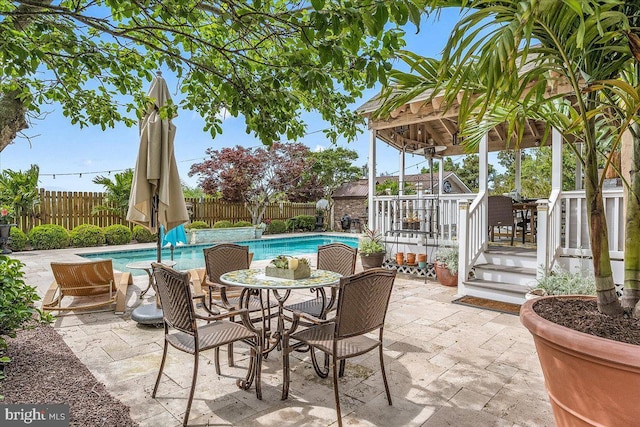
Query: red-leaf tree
x=255 y=176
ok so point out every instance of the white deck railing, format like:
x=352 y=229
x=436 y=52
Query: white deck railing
x=561 y=231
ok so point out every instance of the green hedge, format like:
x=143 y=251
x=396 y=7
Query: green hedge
x=223 y=224
x=49 y=236
x=16 y=304
x=276 y=226
x=117 y=234
x=196 y=225
x=242 y=224
x=142 y=235
x=302 y=223
x=19 y=240
x=86 y=235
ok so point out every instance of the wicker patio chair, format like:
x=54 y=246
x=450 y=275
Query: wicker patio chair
x=500 y=214
x=223 y=258
x=336 y=257
x=87 y=279
x=362 y=305
x=179 y=316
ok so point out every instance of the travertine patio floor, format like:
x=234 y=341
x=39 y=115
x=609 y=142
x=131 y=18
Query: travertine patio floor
x=448 y=365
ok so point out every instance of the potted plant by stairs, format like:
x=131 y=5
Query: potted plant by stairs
x=371 y=249
x=446 y=266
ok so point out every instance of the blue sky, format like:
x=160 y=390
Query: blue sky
x=75 y=156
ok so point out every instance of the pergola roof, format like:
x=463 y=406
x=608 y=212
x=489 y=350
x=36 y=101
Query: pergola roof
x=424 y=127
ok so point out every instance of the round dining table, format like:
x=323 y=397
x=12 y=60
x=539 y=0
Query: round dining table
x=254 y=280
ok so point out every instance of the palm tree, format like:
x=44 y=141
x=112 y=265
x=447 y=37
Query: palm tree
x=116 y=193
x=514 y=60
x=20 y=190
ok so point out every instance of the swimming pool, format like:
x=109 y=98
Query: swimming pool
x=191 y=256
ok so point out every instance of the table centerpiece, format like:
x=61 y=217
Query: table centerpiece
x=287 y=267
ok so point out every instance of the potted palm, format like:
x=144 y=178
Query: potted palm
x=574 y=65
x=446 y=266
x=371 y=249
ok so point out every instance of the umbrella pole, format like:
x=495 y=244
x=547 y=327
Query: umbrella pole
x=154 y=215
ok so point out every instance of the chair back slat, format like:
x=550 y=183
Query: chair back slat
x=223 y=258
x=337 y=257
x=175 y=297
x=82 y=275
x=500 y=211
x=363 y=300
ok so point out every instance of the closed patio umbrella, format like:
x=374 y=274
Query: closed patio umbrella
x=156 y=193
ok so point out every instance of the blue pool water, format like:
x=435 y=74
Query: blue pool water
x=191 y=256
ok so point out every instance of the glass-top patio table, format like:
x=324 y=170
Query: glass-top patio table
x=255 y=279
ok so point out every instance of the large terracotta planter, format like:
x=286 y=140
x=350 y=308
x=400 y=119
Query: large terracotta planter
x=372 y=260
x=591 y=381
x=444 y=275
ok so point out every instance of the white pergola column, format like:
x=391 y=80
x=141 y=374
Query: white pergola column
x=440 y=176
x=518 y=177
x=578 y=177
x=483 y=166
x=401 y=163
x=372 y=178
x=556 y=160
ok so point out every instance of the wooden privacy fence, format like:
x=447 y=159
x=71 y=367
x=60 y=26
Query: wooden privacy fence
x=70 y=209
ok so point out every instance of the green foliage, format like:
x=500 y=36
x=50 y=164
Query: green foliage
x=394 y=186
x=116 y=193
x=142 y=235
x=449 y=257
x=117 y=234
x=223 y=224
x=16 y=304
x=303 y=223
x=242 y=224
x=371 y=242
x=49 y=236
x=86 y=235
x=19 y=190
x=18 y=240
x=195 y=225
x=276 y=226
x=265 y=61
x=562 y=282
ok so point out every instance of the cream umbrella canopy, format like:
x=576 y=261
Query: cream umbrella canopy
x=156 y=193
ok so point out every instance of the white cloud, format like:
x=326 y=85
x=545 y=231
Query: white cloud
x=319 y=148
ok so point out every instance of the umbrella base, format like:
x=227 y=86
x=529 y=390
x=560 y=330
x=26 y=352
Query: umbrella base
x=148 y=314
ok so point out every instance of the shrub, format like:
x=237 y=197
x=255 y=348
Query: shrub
x=242 y=224
x=142 y=235
x=117 y=234
x=222 y=224
x=196 y=225
x=19 y=239
x=49 y=236
x=16 y=304
x=86 y=235
x=562 y=282
x=303 y=222
x=276 y=226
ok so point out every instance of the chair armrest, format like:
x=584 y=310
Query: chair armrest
x=223 y=293
x=296 y=321
x=244 y=316
x=211 y=310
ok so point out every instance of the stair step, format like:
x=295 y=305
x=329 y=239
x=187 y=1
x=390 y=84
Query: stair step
x=496 y=291
x=509 y=269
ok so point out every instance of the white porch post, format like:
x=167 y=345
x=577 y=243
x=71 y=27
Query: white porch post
x=440 y=176
x=463 y=244
x=578 y=177
x=401 y=162
x=544 y=240
x=483 y=183
x=556 y=160
x=372 y=220
x=518 y=177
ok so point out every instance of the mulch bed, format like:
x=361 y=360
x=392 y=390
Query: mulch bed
x=44 y=370
x=583 y=316
x=502 y=307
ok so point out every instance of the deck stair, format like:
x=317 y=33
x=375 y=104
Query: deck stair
x=503 y=274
